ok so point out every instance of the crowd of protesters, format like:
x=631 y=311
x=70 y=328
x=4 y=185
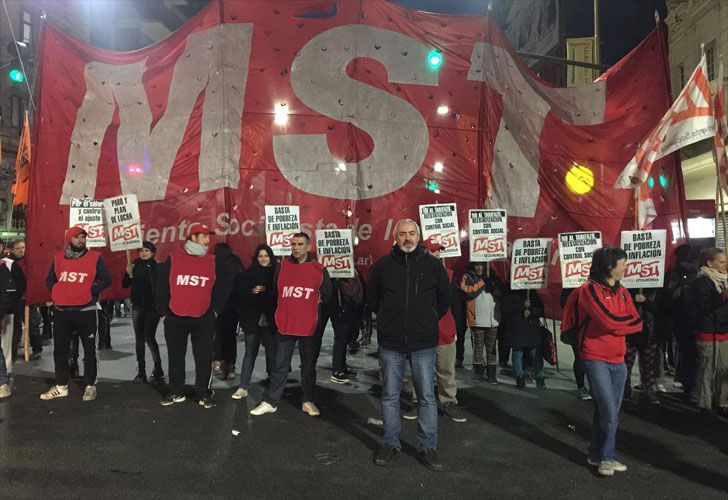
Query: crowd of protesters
x=422 y=311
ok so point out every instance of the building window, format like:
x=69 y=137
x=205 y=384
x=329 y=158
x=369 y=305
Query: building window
x=26 y=29
x=18 y=107
x=710 y=60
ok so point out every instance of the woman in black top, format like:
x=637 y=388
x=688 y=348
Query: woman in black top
x=140 y=275
x=259 y=299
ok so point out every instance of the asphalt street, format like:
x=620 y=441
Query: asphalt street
x=515 y=444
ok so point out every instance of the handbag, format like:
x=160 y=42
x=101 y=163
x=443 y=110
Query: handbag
x=548 y=346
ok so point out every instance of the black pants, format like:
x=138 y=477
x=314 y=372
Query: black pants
x=68 y=323
x=308 y=348
x=105 y=316
x=145 y=329
x=579 y=370
x=226 y=342
x=345 y=323
x=254 y=337
x=46 y=312
x=201 y=332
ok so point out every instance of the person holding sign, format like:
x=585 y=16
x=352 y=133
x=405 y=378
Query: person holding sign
x=140 y=276
x=192 y=287
x=606 y=316
x=302 y=285
x=482 y=292
x=76 y=278
x=710 y=293
x=409 y=292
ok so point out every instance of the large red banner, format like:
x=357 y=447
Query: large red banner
x=335 y=107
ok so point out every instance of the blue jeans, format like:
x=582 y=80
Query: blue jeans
x=4 y=379
x=536 y=361
x=606 y=381
x=422 y=364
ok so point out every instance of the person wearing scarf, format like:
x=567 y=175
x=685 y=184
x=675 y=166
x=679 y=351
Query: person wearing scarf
x=710 y=293
x=76 y=278
x=192 y=287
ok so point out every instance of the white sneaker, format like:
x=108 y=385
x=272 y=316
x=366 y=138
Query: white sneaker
x=263 y=408
x=310 y=408
x=5 y=391
x=57 y=391
x=240 y=393
x=661 y=387
x=609 y=467
x=89 y=394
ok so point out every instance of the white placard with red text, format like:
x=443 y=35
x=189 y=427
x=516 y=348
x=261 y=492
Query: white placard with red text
x=123 y=222
x=488 y=235
x=440 y=224
x=281 y=223
x=529 y=263
x=335 y=250
x=645 y=258
x=575 y=253
x=89 y=214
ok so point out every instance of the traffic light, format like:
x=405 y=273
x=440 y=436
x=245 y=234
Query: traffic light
x=15 y=72
x=663 y=181
x=432 y=184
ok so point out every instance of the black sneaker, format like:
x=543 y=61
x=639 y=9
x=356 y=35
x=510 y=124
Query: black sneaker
x=157 y=374
x=174 y=398
x=409 y=412
x=351 y=373
x=520 y=383
x=429 y=459
x=207 y=403
x=339 y=378
x=385 y=454
x=540 y=383
x=453 y=412
x=140 y=377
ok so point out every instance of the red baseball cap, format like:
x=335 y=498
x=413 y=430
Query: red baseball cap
x=75 y=231
x=199 y=228
x=432 y=246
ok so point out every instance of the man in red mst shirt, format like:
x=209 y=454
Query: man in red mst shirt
x=76 y=278
x=302 y=285
x=191 y=291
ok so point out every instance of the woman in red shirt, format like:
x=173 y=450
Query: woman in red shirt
x=608 y=316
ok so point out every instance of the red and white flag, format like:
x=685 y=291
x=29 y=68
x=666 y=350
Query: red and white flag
x=721 y=131
x=689 y=120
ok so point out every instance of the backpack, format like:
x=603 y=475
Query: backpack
x=570 y=325
x=7 y=287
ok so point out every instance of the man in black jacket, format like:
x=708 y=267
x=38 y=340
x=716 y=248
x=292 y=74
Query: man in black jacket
x=409 y=292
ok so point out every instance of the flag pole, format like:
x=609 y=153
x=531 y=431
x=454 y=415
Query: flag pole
x=720 y=203
x=26 y=335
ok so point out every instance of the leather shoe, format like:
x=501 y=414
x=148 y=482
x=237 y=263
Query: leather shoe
x=429 y=459
x=385 y=454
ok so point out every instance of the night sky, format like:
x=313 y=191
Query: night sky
x=623 y=23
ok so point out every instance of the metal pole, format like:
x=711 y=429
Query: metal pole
x=26 y=335
x=597 y=47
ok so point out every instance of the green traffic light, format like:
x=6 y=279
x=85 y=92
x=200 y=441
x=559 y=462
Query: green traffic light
x=434 y=59
x=663 y=181
x=16 y=76
x=651 y=182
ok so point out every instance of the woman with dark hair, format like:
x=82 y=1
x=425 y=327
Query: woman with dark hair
x=225 y=342
x=710 y=293
x=607 y=315
x=260 y=297
x=141 y=276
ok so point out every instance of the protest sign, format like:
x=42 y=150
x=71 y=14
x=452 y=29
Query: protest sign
x=281 y=223
x=529 y=263
x=123 y=222
x=439 y=224
x=488 y=235
x=335 y=251
x=645 y=258
x=575 y=253
x=89 y=214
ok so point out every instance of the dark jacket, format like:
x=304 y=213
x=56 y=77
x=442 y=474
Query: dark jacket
x=18 y=275
x=102 y=281
x=259 y=304
x=142 y=283
x=677 y=300
x=648 y=312
x=225 y=272
x=712 y=308
x=518 y=331
x=409 y=293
